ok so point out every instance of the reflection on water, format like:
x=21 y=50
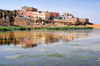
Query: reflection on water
x=50 y=48
x=30 y=39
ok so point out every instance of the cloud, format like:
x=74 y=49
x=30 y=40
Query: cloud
x=93 y=47
x=12 y=57
x=42 y=50
x=10 y=49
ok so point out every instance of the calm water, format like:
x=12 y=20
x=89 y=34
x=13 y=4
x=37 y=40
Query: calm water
x=50 y=48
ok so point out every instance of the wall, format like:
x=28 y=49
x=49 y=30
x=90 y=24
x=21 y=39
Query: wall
x=73 y=20
x=54 y=14
x=29 y=8
x=44 y=15
x=26 y=13
x=83 y=20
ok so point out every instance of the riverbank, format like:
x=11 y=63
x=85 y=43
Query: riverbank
x=63 y=28
x=45 y=28
x=95 y=26
x=14 y=28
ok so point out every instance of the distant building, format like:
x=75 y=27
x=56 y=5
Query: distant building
x=83 y=20
x=66 y=14
x=54 y=14
x=42 y=15
x=28 y=9
x=61 y=17
x=76 y=19
x=0 y=9
x=26 y=13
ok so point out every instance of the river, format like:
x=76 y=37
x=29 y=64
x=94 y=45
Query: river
x=50 y=48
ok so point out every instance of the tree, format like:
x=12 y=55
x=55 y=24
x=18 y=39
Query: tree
x=4 y=14
x=10 y=16
x=15 y=13
x=1 y=14
x=11 y=21
x=7 y=11
x=40 y=19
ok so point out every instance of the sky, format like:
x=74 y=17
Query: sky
x=79 y=8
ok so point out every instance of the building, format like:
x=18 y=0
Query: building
x=83 y=20
x=61 y=17
x=64 y=17
x=28 y=9
x=76 y=19
x=0 y=10
x=66 y=14
x=54 y=14
x=26 y=13
x=42 y=15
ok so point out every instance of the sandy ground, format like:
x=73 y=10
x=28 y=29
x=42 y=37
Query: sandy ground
x=95 y=26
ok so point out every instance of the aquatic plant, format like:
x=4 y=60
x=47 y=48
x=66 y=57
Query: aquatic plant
x=30 y=56
x=2 y=65
x=55 y=55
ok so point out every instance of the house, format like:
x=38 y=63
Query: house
x=42 y=15
x=54 y=14
x=26 y=13
x=28 y=9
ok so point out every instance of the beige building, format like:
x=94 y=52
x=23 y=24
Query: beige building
x=42 y=15
x=65 y=14
x=83 y=20
x=76 y=19
x=28 y=9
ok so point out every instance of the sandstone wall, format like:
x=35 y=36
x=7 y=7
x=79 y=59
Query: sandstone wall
x=22 y=22
x=5 y=22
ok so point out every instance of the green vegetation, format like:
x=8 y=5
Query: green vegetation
x=63 y=28
x=52 y=55
x=30 y=56
x=14 y=28
x=5 y=28
x=46 y=28
x=2 y=65
x=56 y=55
x=80 y=57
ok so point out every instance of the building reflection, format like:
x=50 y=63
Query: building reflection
x=32 y=39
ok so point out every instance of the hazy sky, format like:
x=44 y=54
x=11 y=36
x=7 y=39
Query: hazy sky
x=79 y=8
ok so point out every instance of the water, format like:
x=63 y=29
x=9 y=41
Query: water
x=50 y=48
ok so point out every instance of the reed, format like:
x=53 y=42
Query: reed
x=63 y=28
x=14 y=28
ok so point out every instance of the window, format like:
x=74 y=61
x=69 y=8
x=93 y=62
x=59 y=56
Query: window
x=21 y=13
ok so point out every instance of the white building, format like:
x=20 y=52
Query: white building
x=42 y=15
